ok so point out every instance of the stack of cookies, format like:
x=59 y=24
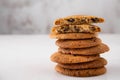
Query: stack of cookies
x=79 y=46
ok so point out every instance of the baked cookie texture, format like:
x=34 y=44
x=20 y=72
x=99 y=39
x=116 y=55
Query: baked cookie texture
x=78 y=43
x=99 y=49
x=68 y=59
x=85 y=28
x=100 y=62
x=78 y=20
x=74 y=35
x=81 y=72
x=79 y=46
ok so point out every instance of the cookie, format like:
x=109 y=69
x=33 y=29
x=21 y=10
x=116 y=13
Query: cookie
x=101 y=48
x=81 y=73
x=68 y=59
x=73 y=35
x=81 y=43
x=86 y=28
x=87 y=65
x=78 y=20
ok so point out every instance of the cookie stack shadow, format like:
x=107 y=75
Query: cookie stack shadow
x=79 y=46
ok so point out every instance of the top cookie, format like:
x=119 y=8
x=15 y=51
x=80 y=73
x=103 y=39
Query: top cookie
x=78 y=20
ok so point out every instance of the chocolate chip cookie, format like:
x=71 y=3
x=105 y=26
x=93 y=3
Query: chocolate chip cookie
x=68 y=59
x=78 y=43
x=86 y=65
x=61 y=29
x=81 y=72
x=73 y=35
x=78 y=20
x=101 y=48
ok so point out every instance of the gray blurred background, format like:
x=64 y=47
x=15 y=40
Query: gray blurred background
x=37 y=16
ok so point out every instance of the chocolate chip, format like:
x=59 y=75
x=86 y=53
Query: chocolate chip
x=76 y=29
x=83 y=20
x=71 y=20
x=59 y=31
x=92 y=28
x=65 y=28
x=95 y=19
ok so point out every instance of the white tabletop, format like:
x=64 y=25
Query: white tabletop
x=26 y=57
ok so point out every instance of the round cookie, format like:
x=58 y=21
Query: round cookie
x=78 y=20
x=101 y=48
x=69 y=59
x=85 y=28
x=81 y=43
x=81 y=73
x=73 y=35
x=87 y=65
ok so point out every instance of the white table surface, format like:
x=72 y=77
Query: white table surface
x=26 y=57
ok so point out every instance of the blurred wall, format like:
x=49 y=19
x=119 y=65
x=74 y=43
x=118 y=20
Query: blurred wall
x=37 y=16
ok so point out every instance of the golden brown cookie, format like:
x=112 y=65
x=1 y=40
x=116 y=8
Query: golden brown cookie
x=101 y=48
x=78 y=19
x=81 y=43
x=81 y=73
x=74 y=35
x=87 y=65
x=68 y=59
x=86 y=28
